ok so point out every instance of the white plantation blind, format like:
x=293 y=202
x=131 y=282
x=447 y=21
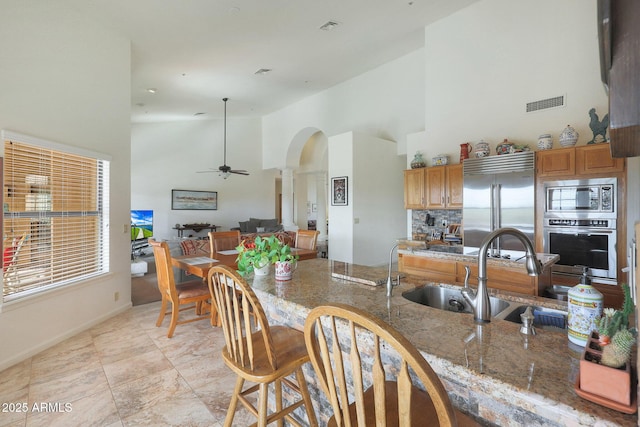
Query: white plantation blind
x=55 y=222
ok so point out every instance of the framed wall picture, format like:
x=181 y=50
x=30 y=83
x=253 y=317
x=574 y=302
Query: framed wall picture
x=339 y=191
x=194 y=200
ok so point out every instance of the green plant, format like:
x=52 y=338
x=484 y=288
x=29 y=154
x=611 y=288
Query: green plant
x=616 y=338
x=261 y=252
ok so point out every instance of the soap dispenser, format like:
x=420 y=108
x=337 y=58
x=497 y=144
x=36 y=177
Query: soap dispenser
x=585 y=306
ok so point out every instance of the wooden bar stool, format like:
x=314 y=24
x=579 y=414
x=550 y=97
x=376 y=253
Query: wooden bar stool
x=368 y=386
x=184 y=296
x=257 y=352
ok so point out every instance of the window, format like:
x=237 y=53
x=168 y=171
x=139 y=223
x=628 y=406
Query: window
x=56 y=215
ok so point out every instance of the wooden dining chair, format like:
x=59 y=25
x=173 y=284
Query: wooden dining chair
x=223 y=240
x=257 y=352
x=365 y=368
x=184 y=296
x=306 y=239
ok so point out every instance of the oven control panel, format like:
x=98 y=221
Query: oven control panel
x=586 y=223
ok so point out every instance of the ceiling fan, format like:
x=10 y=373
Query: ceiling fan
x=225 y=170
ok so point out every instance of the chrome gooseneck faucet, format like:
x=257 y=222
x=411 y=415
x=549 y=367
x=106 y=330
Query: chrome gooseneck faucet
x=480 y=301
x=389 y=280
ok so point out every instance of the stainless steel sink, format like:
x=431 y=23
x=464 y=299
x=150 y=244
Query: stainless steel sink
x=449 y=299
x=544 y=318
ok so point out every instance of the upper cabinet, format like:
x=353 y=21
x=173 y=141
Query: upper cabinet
x=560 y=162
x=619 y=46
x=414 y=188
x=438 y=187
x=595 y=159
x=583 y=160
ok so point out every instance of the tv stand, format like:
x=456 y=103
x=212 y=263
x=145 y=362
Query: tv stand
x=137 y=248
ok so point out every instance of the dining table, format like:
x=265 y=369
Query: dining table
x=199 y=265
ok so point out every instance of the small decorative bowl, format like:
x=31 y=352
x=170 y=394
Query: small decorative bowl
x=440 y=160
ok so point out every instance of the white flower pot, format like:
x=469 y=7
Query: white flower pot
x=262 y=271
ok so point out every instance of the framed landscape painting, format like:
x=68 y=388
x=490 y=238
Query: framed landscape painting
x=194 y=200
x=339 y=191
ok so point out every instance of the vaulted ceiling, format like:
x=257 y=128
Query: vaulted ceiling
x=193 y=53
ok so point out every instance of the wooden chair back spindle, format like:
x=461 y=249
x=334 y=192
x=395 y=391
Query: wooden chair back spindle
x=355 y=357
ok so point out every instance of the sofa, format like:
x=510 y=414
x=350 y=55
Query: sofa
x=258 y=225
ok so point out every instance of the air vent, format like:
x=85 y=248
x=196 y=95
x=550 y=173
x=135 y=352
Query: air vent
x=544 y=104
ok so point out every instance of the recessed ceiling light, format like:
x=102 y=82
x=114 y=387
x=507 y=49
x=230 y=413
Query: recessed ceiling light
x=330 y=25
x=152 y=90
x=263 y=71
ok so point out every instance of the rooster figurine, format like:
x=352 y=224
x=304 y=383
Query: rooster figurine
x=598 y=127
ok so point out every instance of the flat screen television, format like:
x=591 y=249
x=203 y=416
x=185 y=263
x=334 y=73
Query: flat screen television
x=141 y=224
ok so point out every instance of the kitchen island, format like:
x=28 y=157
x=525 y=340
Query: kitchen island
x=491 y=371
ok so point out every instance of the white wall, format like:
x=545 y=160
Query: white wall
x=378 y=199
x=340 y=157
x=485 y=62
x=364 y=231
x=65 y=79
x=167 y=156
x=386 y=102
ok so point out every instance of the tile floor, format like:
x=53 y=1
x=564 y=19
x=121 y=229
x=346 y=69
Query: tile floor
x=124 y=372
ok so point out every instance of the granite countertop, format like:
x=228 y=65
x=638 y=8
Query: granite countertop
x=491 y=368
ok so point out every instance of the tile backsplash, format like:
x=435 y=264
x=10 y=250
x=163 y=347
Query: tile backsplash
x=420 y=220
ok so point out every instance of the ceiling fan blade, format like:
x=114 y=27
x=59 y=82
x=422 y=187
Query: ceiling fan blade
x=209 y=171
x=239 y=172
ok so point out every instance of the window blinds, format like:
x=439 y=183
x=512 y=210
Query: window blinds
x=55 y=218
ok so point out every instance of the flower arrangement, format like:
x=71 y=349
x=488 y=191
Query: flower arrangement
x=615 y=336
x=262 y=252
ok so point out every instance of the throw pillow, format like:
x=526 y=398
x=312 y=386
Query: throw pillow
x=254 y=223
x=267 y=223
x=188 y=247
x=244 y=226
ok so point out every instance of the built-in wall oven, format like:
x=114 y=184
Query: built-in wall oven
x=580 y=226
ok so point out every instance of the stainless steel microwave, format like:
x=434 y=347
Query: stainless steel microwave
x=590 y=197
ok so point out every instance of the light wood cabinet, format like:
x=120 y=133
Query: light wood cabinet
x=437 y=269
x=595 y=159
x=577 y=161
x=560 y=162
x=438 y=187
x=510 y=279
x=454 y=186
x=414 y=188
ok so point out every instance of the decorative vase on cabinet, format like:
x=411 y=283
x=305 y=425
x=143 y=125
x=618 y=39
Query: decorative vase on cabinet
x=418 y=161
x=482 y=149
x=545 y=142
x=568 y=137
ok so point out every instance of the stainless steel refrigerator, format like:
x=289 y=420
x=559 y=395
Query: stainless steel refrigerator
x=498 y=192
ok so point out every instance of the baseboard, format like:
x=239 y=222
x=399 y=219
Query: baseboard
x=58 y=339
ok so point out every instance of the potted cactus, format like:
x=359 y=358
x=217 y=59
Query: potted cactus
x=605 y=365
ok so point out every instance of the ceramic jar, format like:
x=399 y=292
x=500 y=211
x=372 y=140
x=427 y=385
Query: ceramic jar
x=568 y=137
x=418 y=161
x=504 y=147
x=545 y=142
x=284 y=270
x=440 y=159
x=482 y=149
x=585 y=305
